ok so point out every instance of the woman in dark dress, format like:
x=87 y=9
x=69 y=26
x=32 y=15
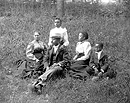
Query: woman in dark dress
x=35 y=53
x=82 y=57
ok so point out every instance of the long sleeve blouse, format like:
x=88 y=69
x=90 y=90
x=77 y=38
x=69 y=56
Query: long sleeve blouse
x=85 y=48
x=32 y=46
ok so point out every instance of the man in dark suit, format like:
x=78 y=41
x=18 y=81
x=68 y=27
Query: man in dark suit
x=56 y=59
x=99 y=63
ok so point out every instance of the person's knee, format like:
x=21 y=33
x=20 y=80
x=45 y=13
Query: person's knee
x=90 y=71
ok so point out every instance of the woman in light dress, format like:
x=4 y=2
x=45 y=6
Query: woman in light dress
x=82 y=57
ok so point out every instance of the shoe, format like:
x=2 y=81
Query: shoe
x=38 y=89
x=37 y=82
x=100 y=74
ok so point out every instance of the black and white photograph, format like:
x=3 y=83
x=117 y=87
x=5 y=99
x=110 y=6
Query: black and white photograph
x=64 y=51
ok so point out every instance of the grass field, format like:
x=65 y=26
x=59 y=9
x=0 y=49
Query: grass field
x=16 y=32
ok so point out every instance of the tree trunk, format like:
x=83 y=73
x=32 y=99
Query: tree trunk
x=53 y=8
x=60 y=8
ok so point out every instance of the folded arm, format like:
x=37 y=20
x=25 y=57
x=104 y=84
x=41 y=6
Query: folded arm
x=66 y=59
x=29 y=52
x=92 y=63
x=105 y=65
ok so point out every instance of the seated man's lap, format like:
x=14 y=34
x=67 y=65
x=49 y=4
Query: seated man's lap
x=50 y=72
x=56 y=72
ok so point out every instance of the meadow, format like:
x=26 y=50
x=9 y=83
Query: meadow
x=17 y=24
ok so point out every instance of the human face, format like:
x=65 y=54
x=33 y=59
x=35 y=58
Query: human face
x=98 y=48
x=55 y=41
x=36 y=36
x=81 y=37
x=57 y=23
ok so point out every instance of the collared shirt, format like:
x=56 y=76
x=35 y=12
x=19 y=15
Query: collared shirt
x=59 y=32
x=99 y=54
x=55 y=49
x=32 y=46
x=83 y=47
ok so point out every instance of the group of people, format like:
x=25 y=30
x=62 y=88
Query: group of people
x=54 y=59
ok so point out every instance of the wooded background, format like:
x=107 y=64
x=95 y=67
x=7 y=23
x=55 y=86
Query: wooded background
x=108 y=23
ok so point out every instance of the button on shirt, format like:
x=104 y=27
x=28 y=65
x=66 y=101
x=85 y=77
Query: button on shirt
x=59 y=32
x=83 y=47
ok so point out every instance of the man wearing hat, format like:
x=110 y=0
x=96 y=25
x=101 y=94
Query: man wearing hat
x=56 y=59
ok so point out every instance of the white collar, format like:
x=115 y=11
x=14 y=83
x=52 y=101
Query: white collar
x=36 y=41
x=58 y=28
x=99 y=52
x=80 y=42
x=56 y=46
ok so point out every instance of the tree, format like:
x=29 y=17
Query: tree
x=60 y=8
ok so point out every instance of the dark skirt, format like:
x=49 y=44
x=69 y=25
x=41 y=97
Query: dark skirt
x=30 y=68
x=78 y=69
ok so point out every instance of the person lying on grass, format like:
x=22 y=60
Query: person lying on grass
x=56 y=60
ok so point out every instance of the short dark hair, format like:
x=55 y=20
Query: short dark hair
x=58 y=19
x=56 y=37
x=85 y=34
x=100 y=44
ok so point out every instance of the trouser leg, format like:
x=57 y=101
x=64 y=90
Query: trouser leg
x=41 y=82
x=50 y=72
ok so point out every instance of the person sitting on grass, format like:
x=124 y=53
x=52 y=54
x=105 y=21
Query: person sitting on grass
x=99 y=63
x=35 y=53
x=60 y=31
x=81 y=59
x=56 y=60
